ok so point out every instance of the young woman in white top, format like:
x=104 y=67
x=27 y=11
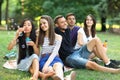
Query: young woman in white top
x=87 y=35
x=49 y=44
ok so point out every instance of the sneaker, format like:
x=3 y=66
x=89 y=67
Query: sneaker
x=115 y=62
x=98 y=61
x=112 y=65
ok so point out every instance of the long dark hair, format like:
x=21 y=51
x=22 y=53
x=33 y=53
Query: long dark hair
x=93 y=30
x=51 y=34
x=22 y=43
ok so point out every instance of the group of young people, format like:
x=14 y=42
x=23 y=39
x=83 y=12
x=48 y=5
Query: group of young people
x=59 y=43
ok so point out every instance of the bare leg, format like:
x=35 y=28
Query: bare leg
x=58 y=68
x=45 y=76
x=95 y=52
x=34 y=69
x=72 y=76
x=95 y=66
x=92 y=56
x=95 y=43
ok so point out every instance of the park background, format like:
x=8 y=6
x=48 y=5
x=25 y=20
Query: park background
x=106 y=12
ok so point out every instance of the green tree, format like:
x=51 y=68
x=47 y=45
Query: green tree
x=1 y=1
x=6 y=12
x=113 y=7
x=33 y=8
x=102 y=11
x=108 y=9
x=54 y=7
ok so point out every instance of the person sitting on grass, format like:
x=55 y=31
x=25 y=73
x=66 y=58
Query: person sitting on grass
x=49 y=43
x=79 y=58
x=88 y=33
x=71 y=20
x=28 y=59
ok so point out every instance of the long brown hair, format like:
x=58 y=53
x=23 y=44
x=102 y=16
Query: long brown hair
x=93 y=30
x=51 y=34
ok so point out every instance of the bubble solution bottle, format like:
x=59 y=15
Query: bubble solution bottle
x=105 y=43
x=27 y=39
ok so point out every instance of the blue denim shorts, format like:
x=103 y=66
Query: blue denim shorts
x=78 y=58
x=45 y=58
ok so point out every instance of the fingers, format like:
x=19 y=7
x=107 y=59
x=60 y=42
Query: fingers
x=19 y=31
x=30 y=43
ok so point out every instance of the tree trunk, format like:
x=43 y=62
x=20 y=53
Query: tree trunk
x=6 y=13
x=1 y=1
x=0 y=14
x=103 y=22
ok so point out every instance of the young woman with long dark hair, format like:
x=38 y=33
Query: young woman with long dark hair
x=25 y=39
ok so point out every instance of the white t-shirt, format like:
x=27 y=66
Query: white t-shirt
x=85 y=38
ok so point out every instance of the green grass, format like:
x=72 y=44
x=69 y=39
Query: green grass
x=82 y=74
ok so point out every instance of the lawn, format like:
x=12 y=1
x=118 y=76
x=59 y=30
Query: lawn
x=82 y=74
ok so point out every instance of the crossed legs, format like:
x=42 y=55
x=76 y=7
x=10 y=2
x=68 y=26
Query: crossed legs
x=34 y=70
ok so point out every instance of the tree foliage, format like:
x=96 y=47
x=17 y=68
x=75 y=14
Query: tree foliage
x=113 y=7
x=81 y=8
x=55 y=7
x=1 y=1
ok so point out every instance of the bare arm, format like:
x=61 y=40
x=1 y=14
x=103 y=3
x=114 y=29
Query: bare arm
x=12 y=43
x=14 y=40
x=55 y=50
x=80 y=39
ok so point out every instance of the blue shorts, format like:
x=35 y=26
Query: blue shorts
x=45 y=58
x=78 y=58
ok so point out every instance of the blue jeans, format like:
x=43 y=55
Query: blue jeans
x=78 y=58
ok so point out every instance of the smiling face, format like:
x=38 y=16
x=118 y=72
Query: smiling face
x=61 y=23
x=27 y=26
x=44 y=24
x=71 y=20
x=89 y=21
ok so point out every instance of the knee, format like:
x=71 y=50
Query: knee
x=57 y=65
x=35 y=56
x=35 y=59
x=96 y=40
